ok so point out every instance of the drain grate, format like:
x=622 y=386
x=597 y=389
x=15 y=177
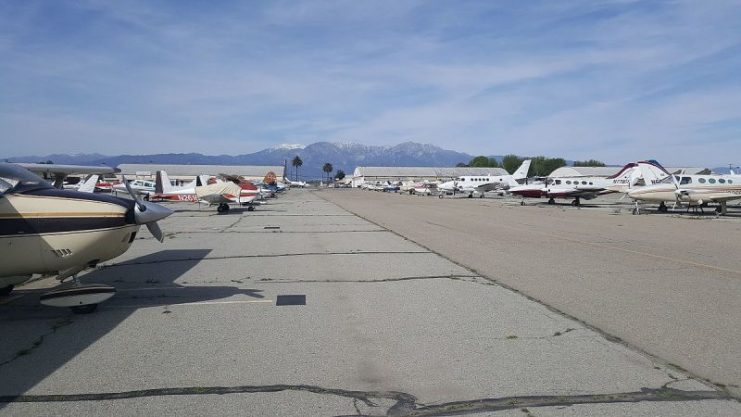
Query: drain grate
x=290 y=300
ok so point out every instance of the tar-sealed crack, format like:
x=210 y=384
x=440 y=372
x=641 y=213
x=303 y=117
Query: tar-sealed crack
x=280 y=255
x=404 y=404
x=398 y=279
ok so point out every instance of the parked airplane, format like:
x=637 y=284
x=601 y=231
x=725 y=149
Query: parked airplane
x=693 y=190
x=164 y=190
x=144 y=188
x=44 y=230
x=231 y=190
x=578 y=187
x=482 y=183
x=294 y=184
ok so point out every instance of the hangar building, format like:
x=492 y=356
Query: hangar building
x=189 y=172
x=394 y=174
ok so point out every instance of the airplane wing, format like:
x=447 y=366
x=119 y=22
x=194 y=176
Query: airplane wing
x=59 y=172
x=717 y=196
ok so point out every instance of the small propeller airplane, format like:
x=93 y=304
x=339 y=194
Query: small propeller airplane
x=45 y=230
x=692 y=190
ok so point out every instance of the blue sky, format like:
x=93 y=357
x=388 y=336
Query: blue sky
x=614 y=80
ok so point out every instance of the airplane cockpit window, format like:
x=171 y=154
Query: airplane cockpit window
x=14 y=178
x=686 y=180
x=6 y=184
x=558 y=182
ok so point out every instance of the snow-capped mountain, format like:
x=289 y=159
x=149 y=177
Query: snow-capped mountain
x=344 y=156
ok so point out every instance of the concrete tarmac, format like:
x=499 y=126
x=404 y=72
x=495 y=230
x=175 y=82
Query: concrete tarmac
x=303 y=308
x=669 y=284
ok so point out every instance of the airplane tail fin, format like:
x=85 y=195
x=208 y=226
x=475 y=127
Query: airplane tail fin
x=88 y=186
x=162 y=183
x=652 y=171
x=521 y=172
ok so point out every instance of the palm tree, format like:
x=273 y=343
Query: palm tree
x=297 y=162
x=328 y=169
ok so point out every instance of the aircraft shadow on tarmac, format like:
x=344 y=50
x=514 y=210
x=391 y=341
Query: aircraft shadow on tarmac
x=42 y=339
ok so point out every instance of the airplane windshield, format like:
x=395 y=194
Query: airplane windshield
x=14 y=178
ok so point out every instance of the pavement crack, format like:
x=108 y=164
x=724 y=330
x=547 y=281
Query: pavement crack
x=362 y=281
x=280 y=255
x=38 y=341
x=405 y=405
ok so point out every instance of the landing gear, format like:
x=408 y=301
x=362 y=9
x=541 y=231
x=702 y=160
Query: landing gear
x=636 y=210
x=251 y=208
x=663 y=208
x=80 y=298
x=551 y=201
x=722 y=208
x=576 y=202
x=222 y=208
x=6 y=290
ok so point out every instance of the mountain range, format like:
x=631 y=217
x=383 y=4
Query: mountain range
x=342 y=156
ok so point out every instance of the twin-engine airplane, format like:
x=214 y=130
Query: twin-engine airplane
x=579 y=188
x=693 y=190
x=44 y=230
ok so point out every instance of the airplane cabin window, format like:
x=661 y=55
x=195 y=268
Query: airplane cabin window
x=722 y=181
x=730 y=181
x=568 y=182
x=711 y=180
x=583 y=183
x=701 y=180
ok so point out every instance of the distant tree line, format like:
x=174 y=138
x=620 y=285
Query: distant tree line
x=539 y=167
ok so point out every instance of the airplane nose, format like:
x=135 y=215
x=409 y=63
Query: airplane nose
x=146 y=212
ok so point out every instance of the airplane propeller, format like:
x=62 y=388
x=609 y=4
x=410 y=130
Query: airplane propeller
x=147 y=213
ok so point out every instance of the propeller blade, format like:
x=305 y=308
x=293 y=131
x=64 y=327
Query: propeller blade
x=133 y=195
x=155 y=230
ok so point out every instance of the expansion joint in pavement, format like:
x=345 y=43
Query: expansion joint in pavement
x=405 y=405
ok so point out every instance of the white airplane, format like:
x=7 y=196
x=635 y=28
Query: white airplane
x=144 y=188
x=471 y=184
x=85 y=186
x=294 y=184
x=693 y=190
x=579 y=187
x=44 y=230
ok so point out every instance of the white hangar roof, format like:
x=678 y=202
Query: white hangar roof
x=422 y=172
x=194 y=170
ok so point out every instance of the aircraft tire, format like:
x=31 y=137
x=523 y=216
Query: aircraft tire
x=223 y=208
x=6 y=290
x=251 y=208
x=84 y=309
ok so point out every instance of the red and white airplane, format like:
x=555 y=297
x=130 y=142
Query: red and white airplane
x=579 y=187
x=221 y=191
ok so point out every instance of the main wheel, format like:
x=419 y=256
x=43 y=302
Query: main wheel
x=551 y=201
x=251 y=208
x=223 y=208
x=6 y=290
x=85 y=309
